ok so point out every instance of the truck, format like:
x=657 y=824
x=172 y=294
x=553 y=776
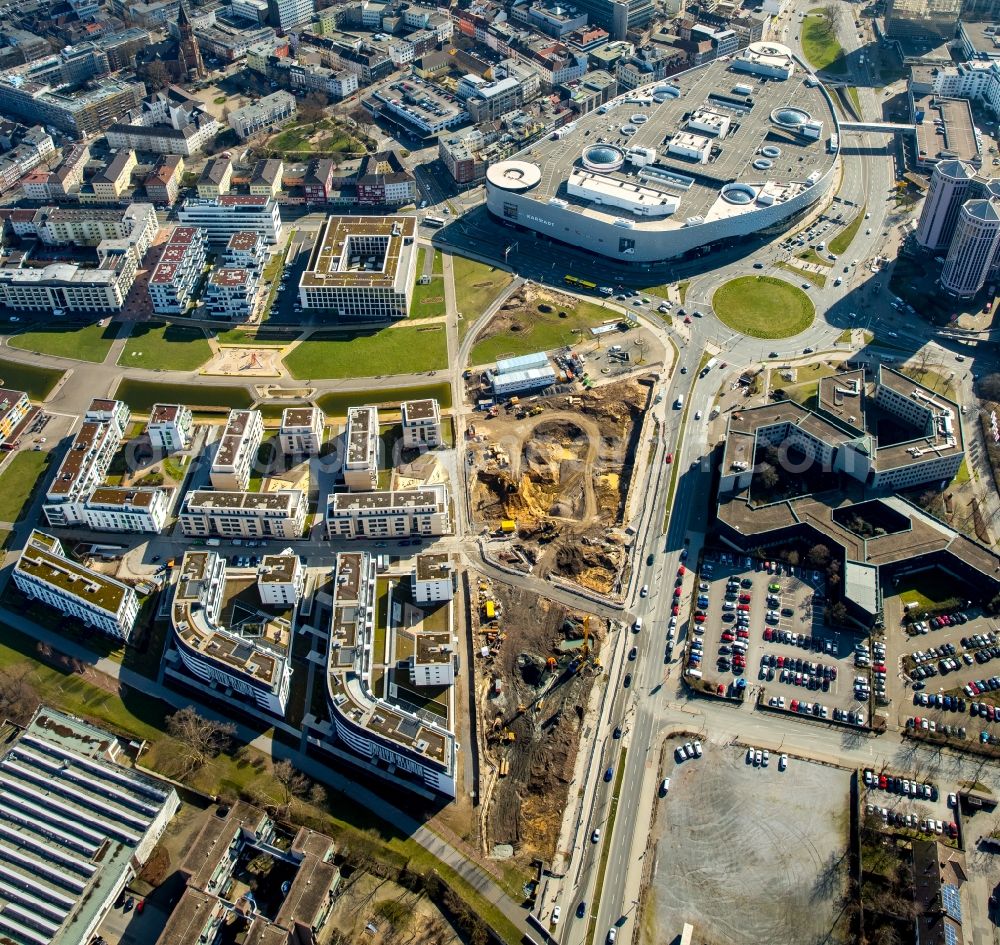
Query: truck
x=213 y=542
x=607 y=290
x=679 y=402
x=709 y=364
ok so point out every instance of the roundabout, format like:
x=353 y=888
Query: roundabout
x=763 y=307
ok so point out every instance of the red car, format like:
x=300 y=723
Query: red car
x=675 y=610
x=743 y=607
x=687 y=319
x=743 y=634
x=677 y=592
x=745 y=598
x=670 y=458
x=882 y=781
x=781 y=662
x=681 y=571
x=794 y=705
x=768 y=633
x=727 y=637
x=721 y=690
x=699 y=618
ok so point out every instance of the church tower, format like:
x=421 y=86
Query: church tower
x=190 y=53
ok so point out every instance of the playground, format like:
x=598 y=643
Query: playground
x=245 y=362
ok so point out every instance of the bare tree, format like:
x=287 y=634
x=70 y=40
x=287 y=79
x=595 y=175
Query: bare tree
x=293 y=782
x=989 y=386
x=200 y=738
x=18 y=698
x=818 y=556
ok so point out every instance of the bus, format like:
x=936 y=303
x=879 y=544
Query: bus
x=433 y=221
x=580 y=283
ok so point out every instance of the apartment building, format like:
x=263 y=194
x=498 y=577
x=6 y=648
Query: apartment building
x=176 y=275
x=383 y=180
x=280 y=514
x=266 y=178
x=86 y=112
x=14 y=407
x=61 y=226
x=433 y=579
x=237 y=451
x=222 y=217
x=301 y=432
x=86 y=463
x=362 y=267
x=383 y=735
x=231 y=294
x=270 y=112
x=166 y=123
x=421 y=423
x=170 y=428
x=110 y=183
x=281 y=579
x=246 y=250
x=163 y=183
x=44 y=573
x=67 y=178
x=242 y=665
x=318 y=181
x=119 y=509
x=216 y=179
x=361 y=445
x=404 y=513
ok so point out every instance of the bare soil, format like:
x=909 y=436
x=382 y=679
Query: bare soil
x=533 y=725
x=560 y=467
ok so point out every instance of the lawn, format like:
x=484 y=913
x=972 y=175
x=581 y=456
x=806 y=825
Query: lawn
x=811 y=256
x=155 y=345
x=816 y=278
x=852 y=93
x=295 y=139
x=428 y=299
x=527 y=330
x=36 y=382
x=262 y=337
x=820 y=45
x=369 y=353
x=476 y=285
x=336 y=403
x=80 y=342
x=927 y=589
x=17 y=481
x=846 y=236
x=763 y=307
x=141 y=395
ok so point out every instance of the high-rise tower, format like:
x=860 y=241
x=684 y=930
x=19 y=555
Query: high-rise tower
x=950 y=184
x=973 y=247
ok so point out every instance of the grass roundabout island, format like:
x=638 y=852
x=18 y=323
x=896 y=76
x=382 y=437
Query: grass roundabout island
x=763 y=307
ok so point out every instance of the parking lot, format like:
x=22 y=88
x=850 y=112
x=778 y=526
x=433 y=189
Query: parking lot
x=768 y=629
x=914 y=803
x=748 y=854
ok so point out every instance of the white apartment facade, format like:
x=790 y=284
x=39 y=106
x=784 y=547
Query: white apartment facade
x=280 y=514
x=421 y=424
x=400 y=514
x=237 y=451
x=221 y=217
x=170 y=427
x=120 y=509
x=361 y=449
x=270 y=112
x=44 y=573
x=177 y=273
x=433 y=579
x=232 y=294
x=301 y=431
x=281 y=579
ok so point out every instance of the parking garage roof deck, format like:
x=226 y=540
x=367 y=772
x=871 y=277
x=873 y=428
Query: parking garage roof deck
x=709 y=86
x=947 y=131
x=330 y=257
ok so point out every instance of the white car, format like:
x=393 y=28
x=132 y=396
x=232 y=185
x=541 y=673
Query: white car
x=596 y=835
x=953 y=801
x=757 y=757
x=612 y=935
x=697 y=415
x=765 y=759
x=688 y=750
x=645 y=590
x=783 y=762
x=749 y=756
x=665 y=786
x=697 y=749
x=556 y=912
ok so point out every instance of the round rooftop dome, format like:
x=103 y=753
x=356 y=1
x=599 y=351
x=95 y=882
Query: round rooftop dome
x=629 y=129
x=771 y=151
x=638 y=119
x=603 y=157
x=514 y=175
x=768 y=48
x=788 y=116
x=763 y=164
x=739 y=193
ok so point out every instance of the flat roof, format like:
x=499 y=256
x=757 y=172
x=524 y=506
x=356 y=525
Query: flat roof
x=362 y=438
x=278 y=569
x=208 y=500
x=430 y=497
x=78 y=461
x=948 y=130
x=433 y=567
x=294 y=418
x=329 y=265
x=661 y=111
x=234 y=438
x=419 y=410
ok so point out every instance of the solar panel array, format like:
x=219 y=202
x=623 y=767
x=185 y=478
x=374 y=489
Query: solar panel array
x=952 y=901
x=950 y=935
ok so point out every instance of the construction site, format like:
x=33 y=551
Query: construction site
x=552 y=478
x=536 y=664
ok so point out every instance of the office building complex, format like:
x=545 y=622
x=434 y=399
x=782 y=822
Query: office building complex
x=402 y=514
x=285 y=14
x=973 y=247
x=44 y=573
x=361 y=446
x=949 y=189
x=78 y=827
x=237 y=450
x=928 y=21
x=368 y=725
x=221 y=217
x=421 y=423
x=362 y=268
x=301 y=431
x=178 y=272
x=245 y=655
x=641 y=202
x=280 y=514
x=169 y=428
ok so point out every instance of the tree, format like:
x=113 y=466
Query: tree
x=767 y=476
x=312 y=107
x=156 y=75
x=292 y=781
x=200 y=738
x=317 y=795
x=362 y=119
x=989 y=386
x=18 y=698
x=829 y=16
x=818 y=556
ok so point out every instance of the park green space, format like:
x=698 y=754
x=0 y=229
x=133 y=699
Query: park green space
x=36 y=382
x=141 y=395
x=329 y=138
x=476 y=285
x=17 y=481
x=156 y=345
x=510 y=334
x=846 y=236
x=810 y=275
x=820 y=43
x=763 y=307
x=368 y=353
x=81 y=342
x=336 y=403
x=261 y=338
x=428 y=298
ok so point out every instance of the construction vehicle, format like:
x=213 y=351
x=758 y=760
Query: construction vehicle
x=536 y=410
x=551 y=664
